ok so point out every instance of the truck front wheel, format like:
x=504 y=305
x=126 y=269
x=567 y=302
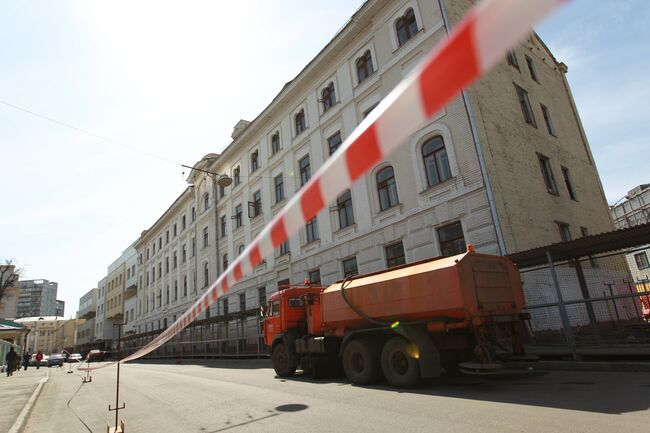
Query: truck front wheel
x=282 y=362
x=399 y=363
x=361 y=361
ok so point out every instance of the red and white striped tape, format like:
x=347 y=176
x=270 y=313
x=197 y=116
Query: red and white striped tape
x=477 y=44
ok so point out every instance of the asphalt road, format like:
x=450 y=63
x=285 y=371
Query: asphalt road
x=246 y=396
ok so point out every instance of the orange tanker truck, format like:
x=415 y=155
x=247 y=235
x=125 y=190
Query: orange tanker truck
x=405 y=323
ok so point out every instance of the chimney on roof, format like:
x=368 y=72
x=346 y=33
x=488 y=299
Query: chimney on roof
x=239 y=128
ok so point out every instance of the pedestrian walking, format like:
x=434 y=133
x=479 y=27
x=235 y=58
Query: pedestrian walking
x=39 y=358
x=26 y=357
x=12 y=360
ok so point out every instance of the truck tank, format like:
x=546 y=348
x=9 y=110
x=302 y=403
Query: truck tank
x=468 y=286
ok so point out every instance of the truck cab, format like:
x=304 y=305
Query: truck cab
x=287 y=311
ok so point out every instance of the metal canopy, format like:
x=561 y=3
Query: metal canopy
x=583 y=247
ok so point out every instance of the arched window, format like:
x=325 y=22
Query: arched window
x=240 y=249
x=406 y=27
x=436 y=162
x=236 y=175
x=275 y=143
x=255 y=163
x=344 y=209
x=328 y=97
x=365 y=67
x=300 y=122
x=224 y=262
x=387 y=188
x=206 y=275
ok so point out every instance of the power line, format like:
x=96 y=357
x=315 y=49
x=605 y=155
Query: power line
x=84 y=131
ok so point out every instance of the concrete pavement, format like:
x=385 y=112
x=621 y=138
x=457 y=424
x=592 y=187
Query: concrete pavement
x=246 y=396
x=15 y=392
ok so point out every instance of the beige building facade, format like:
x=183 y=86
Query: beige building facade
x=50 y=334
x=504 y=166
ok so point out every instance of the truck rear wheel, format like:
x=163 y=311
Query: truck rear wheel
x=282 y=362
x=400 y=367
x=361 y=361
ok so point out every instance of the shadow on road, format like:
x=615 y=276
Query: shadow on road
x=295 y=407
x=608 y=393
x=241 y=364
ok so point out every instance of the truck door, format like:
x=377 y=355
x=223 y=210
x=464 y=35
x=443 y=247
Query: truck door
x=272 y=322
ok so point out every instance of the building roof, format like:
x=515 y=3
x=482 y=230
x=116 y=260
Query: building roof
x=586 y=246
x=40 y=318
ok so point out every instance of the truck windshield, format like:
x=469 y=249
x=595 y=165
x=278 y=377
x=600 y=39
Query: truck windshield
x=296 y=302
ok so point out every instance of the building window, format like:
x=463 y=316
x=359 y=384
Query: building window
x=451 y=240
x=641 y=260
x=369 y=110
x=328 y=97
x=334 y=142
x=205 y=236
x=569 y=183
x=387 y=188
x=547 y=174
x=206 y=201
x=166 y=294
x=344 y=209
x=242 y=302
x=147 y=254
x=512 y=59
x=350 y=267
x=160 y=242
x=312 y=230
x=183 y=223
x=314 y=276
x=153 y=247
x=284 y=248
x=531 y=69
x=224 y=304
x=275 y=143
x=406 y=27
x=305 y=170
x=255 y=163
x=224 y=261
x=365 y=67
x=526 y=108
x=240 y=249
x=547 y=119
x=206 y=275
x=565 y=231
x=236 y=175
x=279 y=188
x=223 y=226
x=175 y=259
x=257 y=204
x=184 y=285
x=193 y=247
x=238 y=216
x=395 y=255
x=261 y=296
x=184 y=253
x=436 y=162
x=175 y=231
x=299 y=121
x=193 y=214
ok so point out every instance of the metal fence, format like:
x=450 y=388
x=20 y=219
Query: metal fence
x=588 y=305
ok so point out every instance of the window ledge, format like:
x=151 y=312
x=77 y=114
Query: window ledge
x=417 y=35
x=390 y=212
x=310 y=246
x=301 y=133
x=346 y=231
x=284 y=258
x=328 y=113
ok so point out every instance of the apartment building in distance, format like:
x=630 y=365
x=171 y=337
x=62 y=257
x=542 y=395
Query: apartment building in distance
x=86 y=315
x=36 y=298
x=49 y=334
x=505 y=166
x=634 y=211
x=60 y=308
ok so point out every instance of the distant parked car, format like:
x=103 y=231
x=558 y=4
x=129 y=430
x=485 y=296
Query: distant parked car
x=43 y=361
x=96 y=355
x=75 y=357
x=56 y=359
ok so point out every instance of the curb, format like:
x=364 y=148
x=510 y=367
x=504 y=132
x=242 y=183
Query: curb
x=20 y=422
x=619 y=367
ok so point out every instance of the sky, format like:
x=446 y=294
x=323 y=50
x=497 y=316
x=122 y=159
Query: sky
x=150 y=85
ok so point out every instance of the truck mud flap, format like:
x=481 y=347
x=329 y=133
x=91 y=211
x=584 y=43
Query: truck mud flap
x=428 y=355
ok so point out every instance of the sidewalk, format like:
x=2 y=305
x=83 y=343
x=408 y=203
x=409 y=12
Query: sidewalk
x=15 y=392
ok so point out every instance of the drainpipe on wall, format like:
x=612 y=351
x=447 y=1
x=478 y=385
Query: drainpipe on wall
x=479 y=149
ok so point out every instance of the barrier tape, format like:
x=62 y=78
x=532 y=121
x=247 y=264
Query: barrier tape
x=479 y=41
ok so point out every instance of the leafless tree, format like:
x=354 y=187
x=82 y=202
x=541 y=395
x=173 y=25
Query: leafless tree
x=9 y=275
